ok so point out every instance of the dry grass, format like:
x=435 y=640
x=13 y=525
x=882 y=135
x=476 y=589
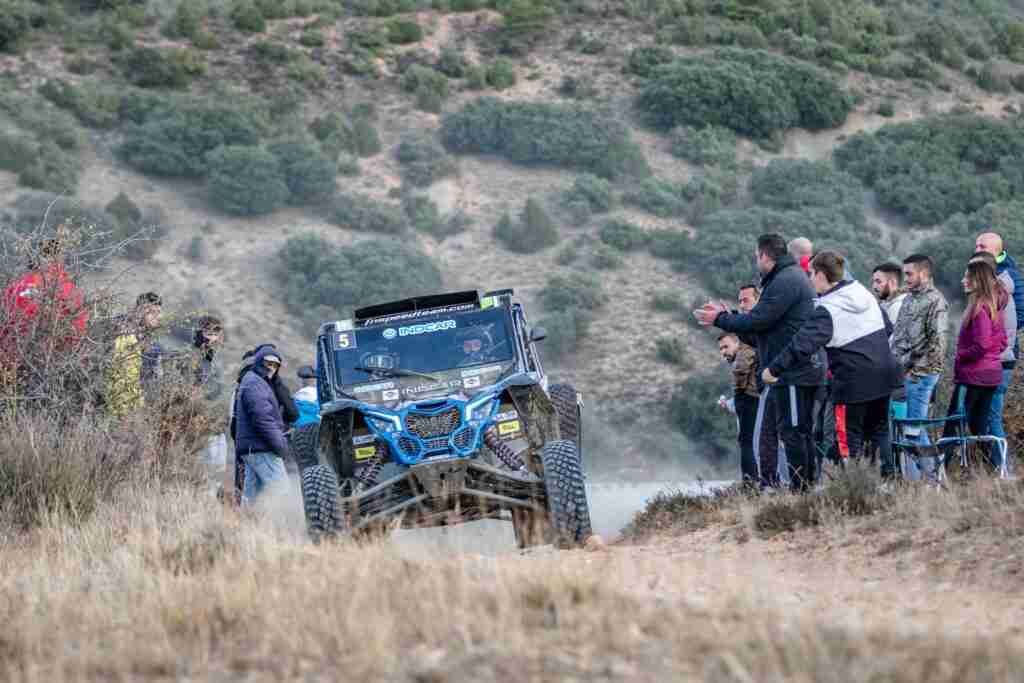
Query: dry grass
x=162 y=584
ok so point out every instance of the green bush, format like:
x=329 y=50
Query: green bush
x=94 y=106
x=124 y=209
x=593 y=192
x=16 y=152
x=187 y=20
x=693 y=412
x=644 y=60
x=577 y=87
x=52 y=169
x=657 y=197
x=571 y=302
x=367 y=141
x=306 y=71
x=563 y=135
x=403 y=32
x=17 y=19
x=322 y=281
x=248 y=18
x=423 y=160
x=751 y=92
x=523 y=24
x=176 y=142
x=246 y=181
x=418 y=77
x=795 y=184
x=672 y=350
x=360 y=212
x=623 y=235
x=929 y=170
x=501 y=74
x=707 y=146
x=476 y=77
x=308 y=173
x=534 y=231
x=606 y=258
x=312 y=37
x=149 y=67
x=452 y=63
x=424 y=215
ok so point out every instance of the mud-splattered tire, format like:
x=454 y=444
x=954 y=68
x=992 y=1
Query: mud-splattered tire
x=320 y=500
x=304 y=443
x=567 y=520
x=570 y=425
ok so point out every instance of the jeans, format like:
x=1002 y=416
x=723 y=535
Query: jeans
x=263 y=472
x=919 y=396
x=746 y=416
x=995 y=416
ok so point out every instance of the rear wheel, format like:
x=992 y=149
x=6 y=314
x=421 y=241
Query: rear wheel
x=320 y=501
x=566 y=522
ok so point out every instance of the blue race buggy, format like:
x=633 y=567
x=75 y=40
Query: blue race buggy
x=436 y=411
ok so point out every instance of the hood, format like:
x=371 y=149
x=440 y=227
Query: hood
x=849 y=296
x=261 y=354
x=306 y=394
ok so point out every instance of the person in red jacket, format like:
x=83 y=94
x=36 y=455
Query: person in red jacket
x=978 y=369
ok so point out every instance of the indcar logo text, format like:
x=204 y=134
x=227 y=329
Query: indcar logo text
x=426 y=327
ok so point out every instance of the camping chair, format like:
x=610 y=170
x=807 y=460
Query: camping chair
x=941 y=449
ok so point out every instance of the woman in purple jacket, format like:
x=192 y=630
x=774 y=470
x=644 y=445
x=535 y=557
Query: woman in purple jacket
x=978 y=369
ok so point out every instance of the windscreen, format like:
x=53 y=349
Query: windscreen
x=429 y=345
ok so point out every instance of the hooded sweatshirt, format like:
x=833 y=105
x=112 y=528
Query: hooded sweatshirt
x=854 y=330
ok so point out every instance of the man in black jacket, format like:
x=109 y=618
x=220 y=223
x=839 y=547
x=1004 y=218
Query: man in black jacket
x=787 y=301
x=850 y=324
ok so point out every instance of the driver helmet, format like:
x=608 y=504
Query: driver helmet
x=475 y=341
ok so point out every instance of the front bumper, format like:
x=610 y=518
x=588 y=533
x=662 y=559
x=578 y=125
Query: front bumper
x=443 y=492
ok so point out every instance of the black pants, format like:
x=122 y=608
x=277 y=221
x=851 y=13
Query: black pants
x=977 y=404
x=766 y=437
x=857 y=423
x=794 y=418
x=746 y=414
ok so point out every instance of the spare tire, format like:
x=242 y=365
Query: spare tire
x=320 y=501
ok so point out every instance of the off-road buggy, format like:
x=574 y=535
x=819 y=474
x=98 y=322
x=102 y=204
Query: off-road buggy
x=435 y=411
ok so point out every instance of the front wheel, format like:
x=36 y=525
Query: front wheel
x=566 y=521
x=320 y=501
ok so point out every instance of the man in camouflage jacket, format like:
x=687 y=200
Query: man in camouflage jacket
x=919 y=338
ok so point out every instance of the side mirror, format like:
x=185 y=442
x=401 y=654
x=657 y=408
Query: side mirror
x=538 y=334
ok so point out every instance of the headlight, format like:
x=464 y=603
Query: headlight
x=383 y=424
x=481 y=408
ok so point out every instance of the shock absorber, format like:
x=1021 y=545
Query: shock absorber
x=368 y=478
x=505 y=454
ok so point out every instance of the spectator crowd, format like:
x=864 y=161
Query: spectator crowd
x=825 y=371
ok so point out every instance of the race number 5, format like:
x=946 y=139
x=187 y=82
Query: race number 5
x=346 y=341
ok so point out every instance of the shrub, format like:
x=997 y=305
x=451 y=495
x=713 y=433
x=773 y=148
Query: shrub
x=564 y=135
x=749 y=91
x=707 y=146
x=403 y=32
x=452 y=63
x=52 y=169
x=605 y=258
x=423 y=160
x=622 y=235
x=417 y=78
x=795 y=184
x=16 y=152
x=672 y=350
x=657 y=197
x=124 y=209
x=476 y=77
x=929 y=170
x=348 y=165
x=571 y=302
x=533 y=231
x=886 y=109
x=308 y=173
x=187 y=20
x=644 y=60
x=92 y=105
x=324 y=282
x=272 y=52
x=149 y=67
x=312 y=37
x=594 y=192
x=424 y=215
x=501 y=74
x=577 y=87
x=246 y=181
x=692 y=411
x=523 y=24
x=360 y=212
x=367 y=141
x=305 y=70
x=248 y=18
x=176 y=142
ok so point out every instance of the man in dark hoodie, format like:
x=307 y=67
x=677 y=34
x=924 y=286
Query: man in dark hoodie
x=787 y=301
x=850 y=324
x=260 y=437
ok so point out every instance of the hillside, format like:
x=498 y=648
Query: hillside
x=238 y=127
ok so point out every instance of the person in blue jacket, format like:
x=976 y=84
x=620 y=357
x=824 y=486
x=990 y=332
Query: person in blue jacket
x=260 y=437
x=305 y=398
